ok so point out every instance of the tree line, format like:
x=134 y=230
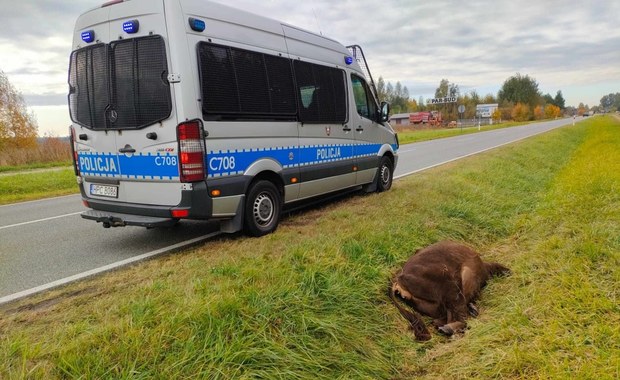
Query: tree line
x=518 y=99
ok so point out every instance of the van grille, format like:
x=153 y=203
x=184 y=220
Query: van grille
x=121 y=85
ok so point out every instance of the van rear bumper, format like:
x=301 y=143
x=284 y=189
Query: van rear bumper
x=109 y=219
x=115 y=214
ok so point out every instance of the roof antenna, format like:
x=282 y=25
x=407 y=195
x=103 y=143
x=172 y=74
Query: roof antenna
x=318 y=24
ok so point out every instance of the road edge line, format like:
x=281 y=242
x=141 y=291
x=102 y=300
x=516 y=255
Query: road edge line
x=105 y=268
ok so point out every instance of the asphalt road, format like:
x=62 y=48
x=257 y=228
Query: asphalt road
x=46 y=243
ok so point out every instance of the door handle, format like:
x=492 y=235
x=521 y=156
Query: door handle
x=127 y=149
x=359 y=128
x=346 y=128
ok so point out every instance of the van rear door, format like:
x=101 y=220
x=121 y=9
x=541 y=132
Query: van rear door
x=121 y=104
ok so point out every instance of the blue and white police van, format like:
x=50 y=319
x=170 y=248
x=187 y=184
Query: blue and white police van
x=189 y=109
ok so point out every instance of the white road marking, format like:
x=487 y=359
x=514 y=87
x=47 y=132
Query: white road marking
x=39 y=220
x=105 y=268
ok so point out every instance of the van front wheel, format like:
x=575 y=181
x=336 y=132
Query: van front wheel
x=385 y=175
x=263 y=206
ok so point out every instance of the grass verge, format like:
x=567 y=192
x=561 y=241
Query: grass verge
x=36 y=185
x=308 y=302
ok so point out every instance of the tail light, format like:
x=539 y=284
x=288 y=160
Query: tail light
x=191 y=151
x=76 y=167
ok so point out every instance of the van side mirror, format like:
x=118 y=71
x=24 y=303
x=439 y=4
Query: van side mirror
x=385 y=112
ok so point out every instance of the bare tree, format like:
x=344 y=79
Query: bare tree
x=18 y=127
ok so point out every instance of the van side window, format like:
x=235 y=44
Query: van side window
x=322 y=94
x=242 y=84
x=364 y=101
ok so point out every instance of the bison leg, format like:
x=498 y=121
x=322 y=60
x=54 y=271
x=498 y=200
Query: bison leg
x=455 y=320
x=439 y=322
x=416 y=323
x=451 y=328
x=473 y=309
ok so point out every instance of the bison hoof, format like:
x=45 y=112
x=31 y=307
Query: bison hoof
x=473 y=310
x=446 y=330
x=423 y=337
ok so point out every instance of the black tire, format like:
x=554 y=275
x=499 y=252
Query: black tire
x=263 y=206
x=385 y=175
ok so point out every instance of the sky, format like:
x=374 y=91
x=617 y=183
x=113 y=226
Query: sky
x=567 y=45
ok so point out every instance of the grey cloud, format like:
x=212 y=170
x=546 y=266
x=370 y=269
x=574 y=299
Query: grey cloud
x=477 y=43
x=40 y=17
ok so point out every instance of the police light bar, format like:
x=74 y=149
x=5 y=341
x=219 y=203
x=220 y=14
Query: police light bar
x=131 y=26
x=197 y=24
x=88 y=36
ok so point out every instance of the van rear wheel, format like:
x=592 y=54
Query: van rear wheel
x=263 y=207
x=385 y=175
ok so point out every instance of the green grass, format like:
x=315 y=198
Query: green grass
x=411 y=135
x=33 y=166
x=16 y=187
x=308 y=302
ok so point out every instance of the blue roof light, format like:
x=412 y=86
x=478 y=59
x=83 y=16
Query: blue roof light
x=197 y=24
x=88 y=36
x=348 y=60
x=131 y=26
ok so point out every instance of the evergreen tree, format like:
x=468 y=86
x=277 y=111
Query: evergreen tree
x=520 y=89
x=559 y=100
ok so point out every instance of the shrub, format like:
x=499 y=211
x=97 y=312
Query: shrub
x=521 y=112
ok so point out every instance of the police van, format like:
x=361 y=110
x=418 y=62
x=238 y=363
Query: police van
x=189 y=109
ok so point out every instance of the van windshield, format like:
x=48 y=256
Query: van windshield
x=121 y=85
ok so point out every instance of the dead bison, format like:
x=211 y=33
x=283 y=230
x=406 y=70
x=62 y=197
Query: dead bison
x=442 y=281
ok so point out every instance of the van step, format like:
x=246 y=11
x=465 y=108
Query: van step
x=113 y=219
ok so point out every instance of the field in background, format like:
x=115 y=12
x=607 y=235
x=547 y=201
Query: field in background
x=417 y=133
x=48 y=152
x=37 y=172
x=308 y=302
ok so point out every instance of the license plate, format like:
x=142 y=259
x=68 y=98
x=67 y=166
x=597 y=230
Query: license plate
x=104 y=191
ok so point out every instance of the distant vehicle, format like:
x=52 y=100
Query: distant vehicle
x=189 y=109
x=426 y=117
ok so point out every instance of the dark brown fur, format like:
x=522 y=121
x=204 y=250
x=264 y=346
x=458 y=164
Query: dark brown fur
x=441 y=281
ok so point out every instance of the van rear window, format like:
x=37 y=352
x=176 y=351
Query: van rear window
x=88 y=86
x=122 y=85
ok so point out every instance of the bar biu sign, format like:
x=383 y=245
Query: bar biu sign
x=449 y=99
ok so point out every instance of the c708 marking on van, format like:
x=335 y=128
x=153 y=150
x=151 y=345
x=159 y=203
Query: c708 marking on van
x=166 y=161
x=223 y=163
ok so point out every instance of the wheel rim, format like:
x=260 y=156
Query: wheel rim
x=385 y=175
x=263 y=209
